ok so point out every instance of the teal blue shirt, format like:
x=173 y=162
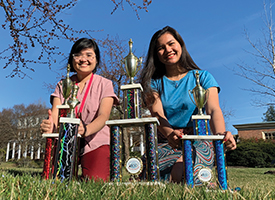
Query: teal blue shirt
x=177 y=105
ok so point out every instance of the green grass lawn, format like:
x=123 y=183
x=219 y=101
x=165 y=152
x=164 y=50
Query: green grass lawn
x=18 y=183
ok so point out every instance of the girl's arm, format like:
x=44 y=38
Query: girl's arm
x=98 y=123
x=217 y=124
x=165 y=128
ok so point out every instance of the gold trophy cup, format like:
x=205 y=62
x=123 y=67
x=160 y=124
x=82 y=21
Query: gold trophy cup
x=200 y=95
x=132 y=63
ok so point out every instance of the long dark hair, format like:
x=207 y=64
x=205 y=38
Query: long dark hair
x=155 y=69
x=81 y=44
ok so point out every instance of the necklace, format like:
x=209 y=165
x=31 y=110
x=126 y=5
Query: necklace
x=176 y=78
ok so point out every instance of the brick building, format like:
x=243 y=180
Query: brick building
x=262 y=130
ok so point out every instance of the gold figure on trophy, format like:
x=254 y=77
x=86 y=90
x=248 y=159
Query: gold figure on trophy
x=66 y=86
x=73 y=101
x=132 y=63
x=200 y=95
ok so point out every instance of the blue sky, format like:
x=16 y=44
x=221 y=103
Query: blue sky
x=212 y=30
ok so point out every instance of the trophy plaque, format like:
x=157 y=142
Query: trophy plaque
x=134 y=166
x=199 y=170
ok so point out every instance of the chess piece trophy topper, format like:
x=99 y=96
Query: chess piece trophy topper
x=73 y=101
x=200 y=95
x=132 y=63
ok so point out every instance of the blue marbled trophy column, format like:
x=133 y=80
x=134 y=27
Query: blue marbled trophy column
x=220 y=162
x=188 y=162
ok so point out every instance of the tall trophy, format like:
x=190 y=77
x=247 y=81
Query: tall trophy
x=51 y=139
x=132 y=117
x=201 y=173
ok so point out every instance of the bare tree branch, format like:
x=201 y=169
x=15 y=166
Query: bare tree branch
x=262 y=72
x=133 y=5
x=36 y=24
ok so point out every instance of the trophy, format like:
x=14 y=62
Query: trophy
x=67 y=149
x=51 y=142
x=201 y=173
x=132 y=117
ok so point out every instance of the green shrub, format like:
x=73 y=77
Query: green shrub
x=252 y=153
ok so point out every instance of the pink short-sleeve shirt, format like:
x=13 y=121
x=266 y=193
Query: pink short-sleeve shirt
x=100 y=88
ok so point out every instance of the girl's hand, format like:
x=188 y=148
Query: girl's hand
x=82 y=129
x=47 y=124
x=174 y=139
x=229 y=141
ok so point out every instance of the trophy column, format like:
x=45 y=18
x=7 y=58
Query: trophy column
x=115 y=154
x=132 y=101
x=47 y=158
x=152 y=152
x=188 y=162
x=220 y=163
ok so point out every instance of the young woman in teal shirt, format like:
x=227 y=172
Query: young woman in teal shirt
x=168 y=75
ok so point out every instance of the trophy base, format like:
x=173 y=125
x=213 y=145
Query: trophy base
x=150 y=126
x=134 y=183
x=203 y=173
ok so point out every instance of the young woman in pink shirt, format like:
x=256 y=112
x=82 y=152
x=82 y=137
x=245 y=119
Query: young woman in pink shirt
x=96 y=96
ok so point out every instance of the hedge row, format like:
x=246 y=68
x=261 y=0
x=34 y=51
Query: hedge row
x=252 y=153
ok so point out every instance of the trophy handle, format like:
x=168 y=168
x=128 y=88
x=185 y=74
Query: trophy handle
x=190 y=92
x=121 y=66
x=206 y=96
x=139 y=66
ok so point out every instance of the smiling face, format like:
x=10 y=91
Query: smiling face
x=85 y=61
x=169 y=49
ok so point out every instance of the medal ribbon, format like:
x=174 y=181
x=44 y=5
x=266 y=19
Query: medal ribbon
x=85 y=96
